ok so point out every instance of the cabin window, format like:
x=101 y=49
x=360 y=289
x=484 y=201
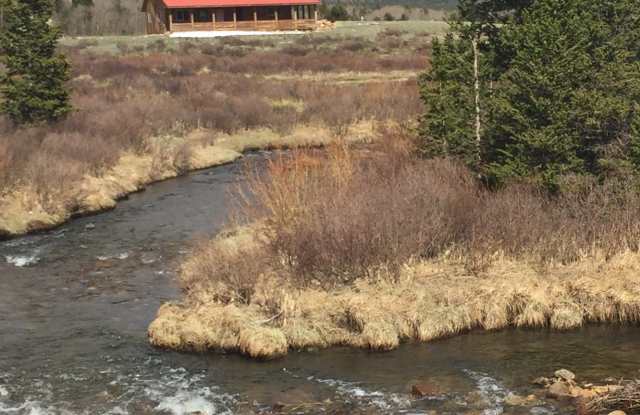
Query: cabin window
x=181 y=16
x=202 y=15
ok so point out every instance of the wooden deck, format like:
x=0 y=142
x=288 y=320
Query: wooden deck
x=257 y=25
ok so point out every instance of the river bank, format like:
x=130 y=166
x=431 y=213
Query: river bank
x=145 y=115
x=24 y=210
x=429 y=300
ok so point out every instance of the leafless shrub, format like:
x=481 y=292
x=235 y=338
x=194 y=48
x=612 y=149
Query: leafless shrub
x=210 y=49
x=123 y=47
x=157 y=46
x=295 y=50
x=355 y=45
x=337 y=216
x=224 y=270
x=622 y=398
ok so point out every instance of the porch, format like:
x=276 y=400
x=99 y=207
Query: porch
x=254 y=18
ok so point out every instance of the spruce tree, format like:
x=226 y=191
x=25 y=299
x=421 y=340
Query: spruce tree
x=570 y=99
x=454 y=89
x=559 y=84
x=447 y=91
x=33 y=83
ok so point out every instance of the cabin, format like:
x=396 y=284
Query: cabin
x=214 y=15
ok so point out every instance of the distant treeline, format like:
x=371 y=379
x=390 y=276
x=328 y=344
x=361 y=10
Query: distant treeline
x=378 y=4
x=354 y=9
x=99 y=17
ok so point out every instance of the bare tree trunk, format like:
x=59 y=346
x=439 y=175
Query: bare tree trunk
x=476 y=77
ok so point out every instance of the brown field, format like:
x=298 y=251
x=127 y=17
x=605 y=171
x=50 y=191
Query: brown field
x=150 y=114
x=404 y=249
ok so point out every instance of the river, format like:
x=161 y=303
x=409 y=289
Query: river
x=75 y=304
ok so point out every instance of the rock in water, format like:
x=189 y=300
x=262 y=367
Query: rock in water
x=559 y=390
x=542 y=381
x=515 y=400
x=565 y=375
x=421 y=390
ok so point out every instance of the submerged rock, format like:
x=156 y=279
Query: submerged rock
x=477 y=400
x=423 y=389
x=513 y=399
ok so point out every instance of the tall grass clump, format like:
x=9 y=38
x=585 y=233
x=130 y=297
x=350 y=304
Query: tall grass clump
x=336 y=216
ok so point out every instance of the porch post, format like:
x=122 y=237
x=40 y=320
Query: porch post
x=213 y=18
x=235 y=19
x=170 y=19
x=276 y=17
x=255 y=18
x=294 y=15
x=192 y=21
x=315 y=13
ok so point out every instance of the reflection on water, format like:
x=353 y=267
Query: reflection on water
x=75 y=303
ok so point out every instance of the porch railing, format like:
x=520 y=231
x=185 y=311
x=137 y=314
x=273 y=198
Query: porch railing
x=257 y=25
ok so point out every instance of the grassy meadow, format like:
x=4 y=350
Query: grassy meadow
x=150 y=108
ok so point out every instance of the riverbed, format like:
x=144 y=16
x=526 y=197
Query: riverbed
x=75 y=303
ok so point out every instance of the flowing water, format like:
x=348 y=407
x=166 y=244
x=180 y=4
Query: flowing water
x=75 y=303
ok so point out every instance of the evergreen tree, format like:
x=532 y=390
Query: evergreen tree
x=454 y=89
x=558 y=83
x=570 y=99
x=447 y=90
x=33 y=83
x=4 y=6
x=337 y=12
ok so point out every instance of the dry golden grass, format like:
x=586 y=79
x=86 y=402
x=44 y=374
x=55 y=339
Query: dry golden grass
x=28 y=208
x=346 y=77
x=428 y=300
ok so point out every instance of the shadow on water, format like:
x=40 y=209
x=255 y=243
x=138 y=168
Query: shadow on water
x=75 y=304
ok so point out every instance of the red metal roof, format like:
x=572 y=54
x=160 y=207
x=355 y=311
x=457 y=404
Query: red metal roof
x=179 y=4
